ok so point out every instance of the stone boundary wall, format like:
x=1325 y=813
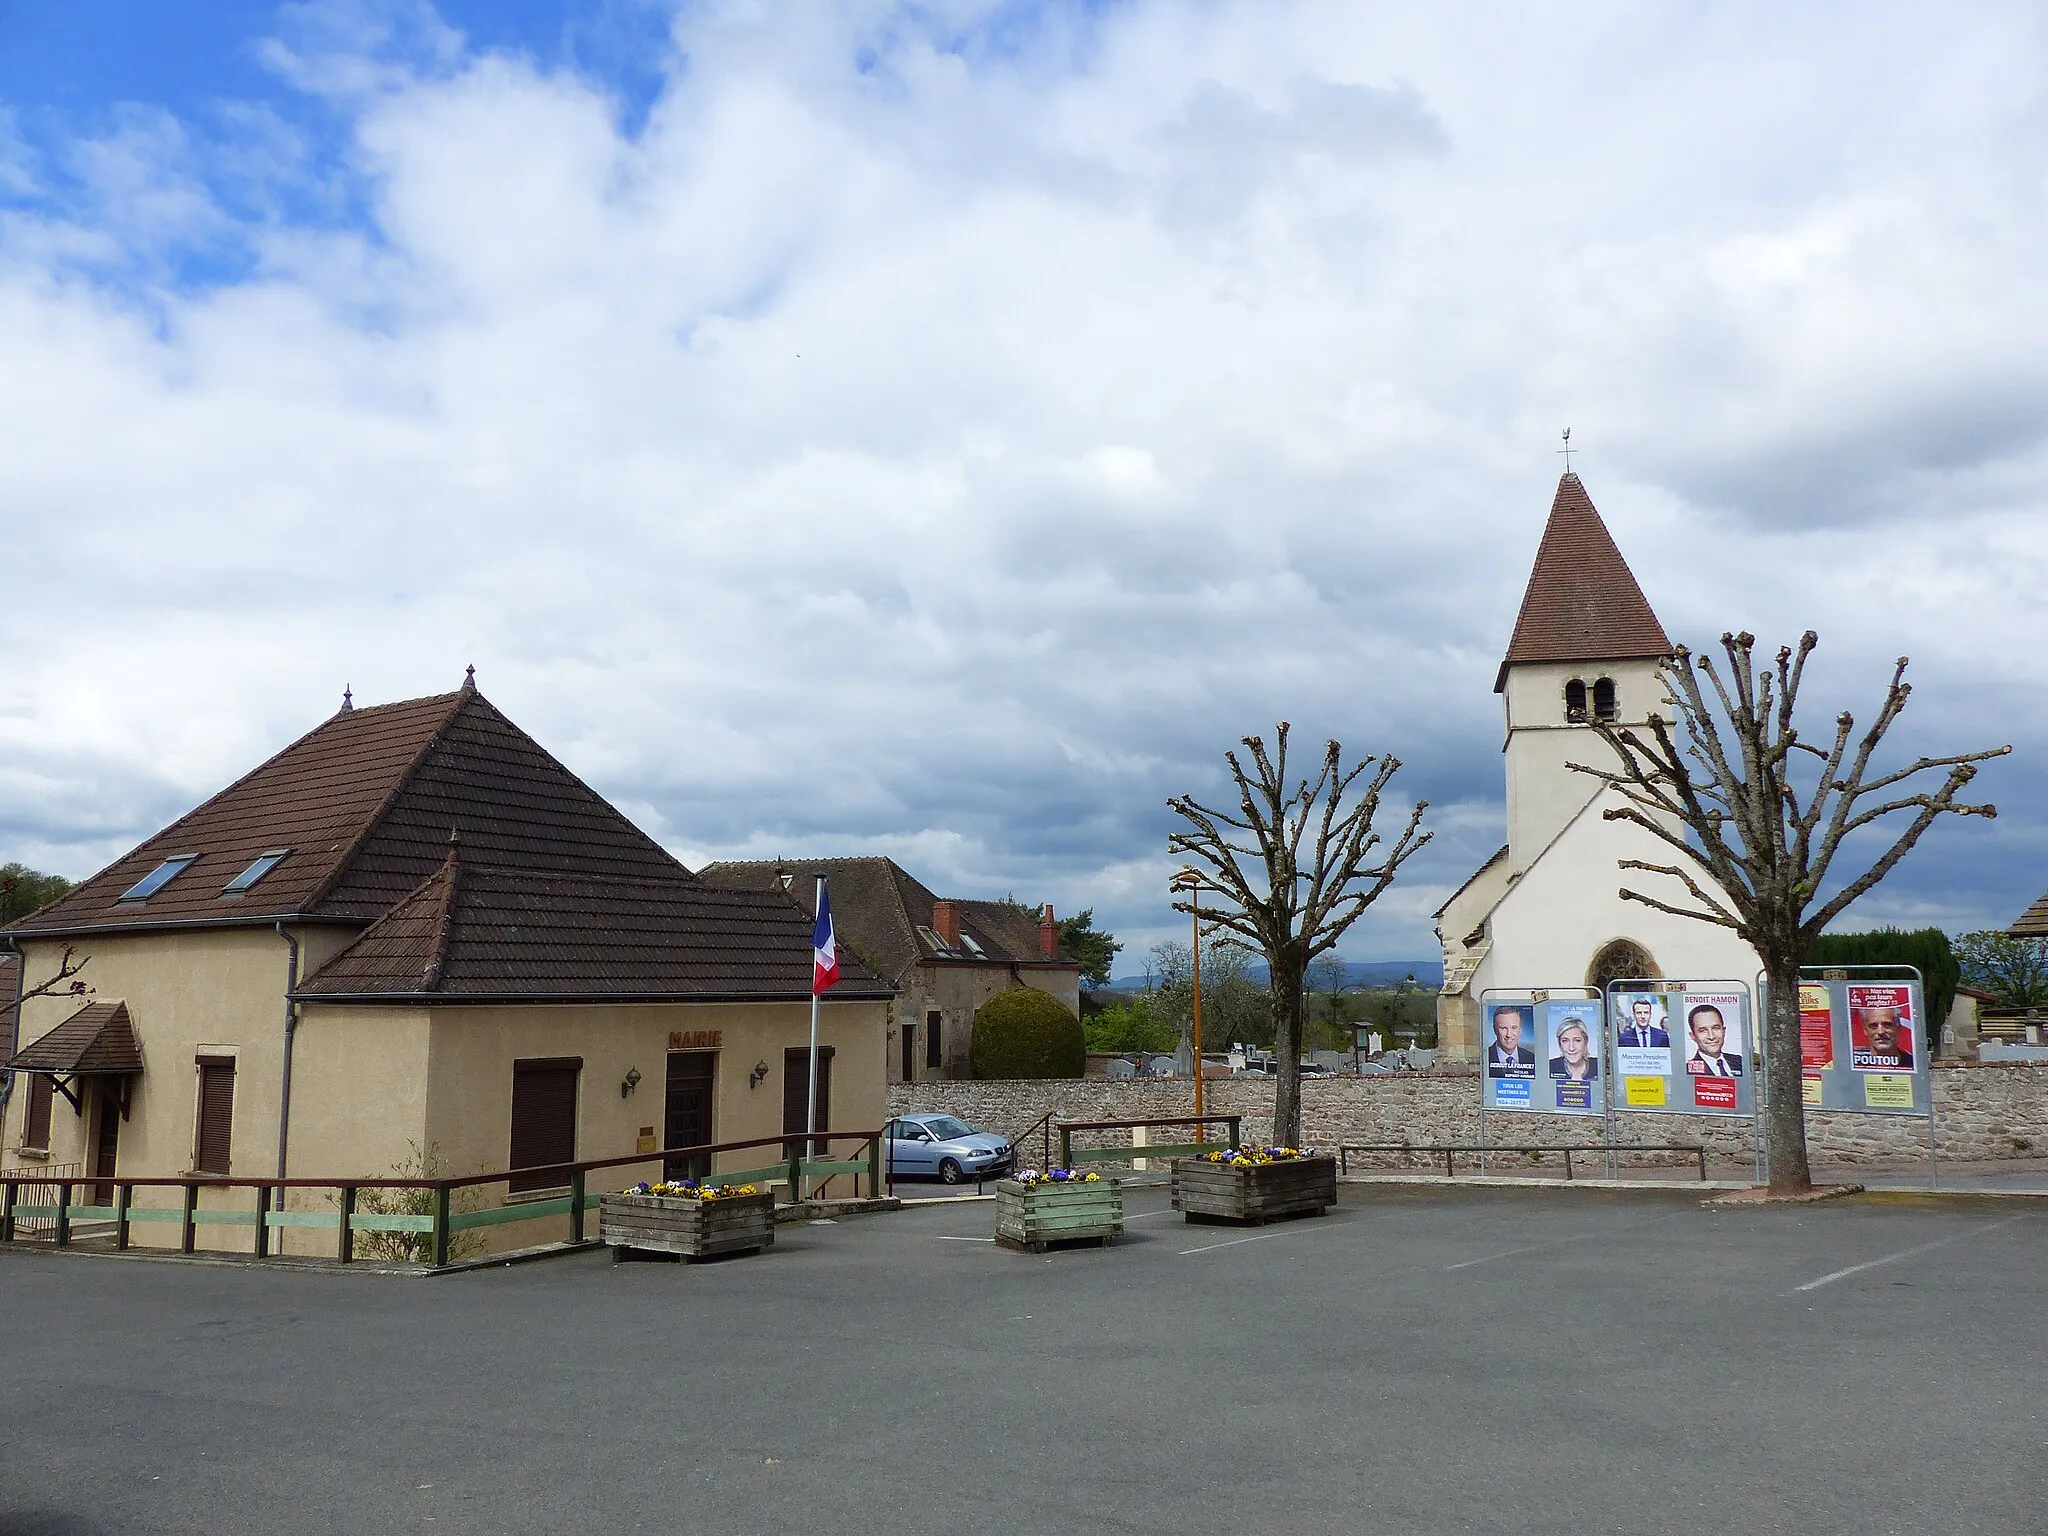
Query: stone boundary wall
x=1981 y=1109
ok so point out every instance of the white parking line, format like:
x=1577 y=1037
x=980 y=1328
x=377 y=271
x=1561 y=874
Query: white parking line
x=1212 y=1247
x=1907 y=1253
x=1507 y=1253
x=965 y=1239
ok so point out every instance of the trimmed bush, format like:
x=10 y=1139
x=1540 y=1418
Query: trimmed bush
x=1026 y=1033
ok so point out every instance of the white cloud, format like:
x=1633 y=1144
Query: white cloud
x=924 y=437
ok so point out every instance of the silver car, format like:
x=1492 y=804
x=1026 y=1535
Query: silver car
x=945 y=1147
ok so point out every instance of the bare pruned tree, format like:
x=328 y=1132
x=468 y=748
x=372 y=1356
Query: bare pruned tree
x=1760 y=817
x=1292 y=902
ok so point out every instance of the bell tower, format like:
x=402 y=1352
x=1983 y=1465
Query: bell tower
x=1586 y=647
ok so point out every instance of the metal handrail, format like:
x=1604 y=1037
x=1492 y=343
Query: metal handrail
x=1450 y=1151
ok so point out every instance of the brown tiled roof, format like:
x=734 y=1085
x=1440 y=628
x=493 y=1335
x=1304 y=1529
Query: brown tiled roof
x=878 y=906
x=2032 y=923
x=488 y=933
x=97 y=1038
x=365 y=802
x=1582 y=603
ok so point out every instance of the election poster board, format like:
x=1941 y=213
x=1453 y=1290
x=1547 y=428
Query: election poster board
x=1863 y=1046
x=1684 y=1049
x=1543 y=1057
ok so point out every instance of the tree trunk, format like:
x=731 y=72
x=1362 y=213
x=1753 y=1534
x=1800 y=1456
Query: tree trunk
x=1287 y=1004
x=1785 y=1096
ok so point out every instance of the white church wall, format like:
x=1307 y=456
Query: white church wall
x=1544 y=793
x=1567 y=907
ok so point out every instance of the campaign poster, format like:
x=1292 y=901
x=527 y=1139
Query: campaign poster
x=1812 y=1091
x=1881 y=1029
x=1713 y=1034
x=1574 y=1095
x=1574 y=1043
x=1816 y=1029
x=1714 y=1093
x=1642 y=1036
x=1643 y=1092
x=1888 y=1090
x=1513 y=1093
x=1510 y=1045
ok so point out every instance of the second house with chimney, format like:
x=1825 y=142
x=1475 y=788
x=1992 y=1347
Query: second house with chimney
x=946 y=957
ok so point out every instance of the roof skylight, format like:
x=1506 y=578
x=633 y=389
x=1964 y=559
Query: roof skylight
x=967 y=943
x=264 y=864
x=158 y=878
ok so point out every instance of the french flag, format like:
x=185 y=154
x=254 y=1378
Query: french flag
x=824 y=947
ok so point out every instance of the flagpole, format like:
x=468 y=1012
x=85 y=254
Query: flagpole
x=811 y=1114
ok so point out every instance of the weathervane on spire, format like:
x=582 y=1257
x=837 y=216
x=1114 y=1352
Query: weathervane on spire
x=1566 y=450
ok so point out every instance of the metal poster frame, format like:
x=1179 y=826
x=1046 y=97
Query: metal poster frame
x=1835 y=1095
x=1748 y=1086
x=1541 y=998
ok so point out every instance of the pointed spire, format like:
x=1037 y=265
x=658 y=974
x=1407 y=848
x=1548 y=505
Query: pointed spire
x=469 y=679
x=348 y=698
x=1582 y=602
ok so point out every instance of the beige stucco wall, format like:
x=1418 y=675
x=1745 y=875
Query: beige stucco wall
x=1544 y=793
x=956 y=990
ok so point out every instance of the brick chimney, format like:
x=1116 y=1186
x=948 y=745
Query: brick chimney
x=1049 y=934
x=946 y=924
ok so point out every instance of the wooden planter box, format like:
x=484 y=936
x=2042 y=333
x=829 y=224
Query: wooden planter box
x=1032 y=1216
x=1300 y=1186
x=696 y=1229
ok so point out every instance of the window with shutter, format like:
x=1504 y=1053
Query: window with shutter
x=543 y=1120
x=934 y=1052
x=35 y=1130
x=215 y=1141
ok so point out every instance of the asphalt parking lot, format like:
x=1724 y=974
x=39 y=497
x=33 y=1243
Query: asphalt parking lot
x=1422 y=1359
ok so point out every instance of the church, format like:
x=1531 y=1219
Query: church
x=1546 y=910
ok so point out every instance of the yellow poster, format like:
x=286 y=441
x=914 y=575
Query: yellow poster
x=1810 y=1086
x=1647 y=1092
x=1888 y=1090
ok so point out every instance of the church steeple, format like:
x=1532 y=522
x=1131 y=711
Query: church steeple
x=1582 y=602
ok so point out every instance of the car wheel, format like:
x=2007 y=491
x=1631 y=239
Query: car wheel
x=949 y=1172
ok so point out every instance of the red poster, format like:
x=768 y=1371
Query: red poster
x=1881 y=1029
x=1816 y=1029
x=1713 y=1092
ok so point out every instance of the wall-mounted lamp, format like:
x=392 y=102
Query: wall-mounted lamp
x=630 y=1081
x=754 y=1077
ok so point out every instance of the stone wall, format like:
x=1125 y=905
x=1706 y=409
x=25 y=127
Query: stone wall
x=1982 y=1110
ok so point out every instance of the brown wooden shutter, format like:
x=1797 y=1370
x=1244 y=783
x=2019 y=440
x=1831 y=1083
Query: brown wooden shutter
x=934 y=1053
x=35 y=1132
x=543 y=1119
x=796 y=1094
x=216 y=1114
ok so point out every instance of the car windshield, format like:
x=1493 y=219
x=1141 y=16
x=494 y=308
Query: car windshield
x=946 y=1128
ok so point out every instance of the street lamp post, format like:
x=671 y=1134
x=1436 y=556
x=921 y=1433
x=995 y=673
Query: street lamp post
x=1187 y=880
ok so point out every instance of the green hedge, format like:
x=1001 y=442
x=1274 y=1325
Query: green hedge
x=1927 y=948
x=1026 y=1033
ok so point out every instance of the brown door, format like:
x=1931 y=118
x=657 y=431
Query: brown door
x=934 y=1049
x=543 y=1120
x=686 y=1119
x=796 y=1090
x=106 y=1143
x=216 y=1138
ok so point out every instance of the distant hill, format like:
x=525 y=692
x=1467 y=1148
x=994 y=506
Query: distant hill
x=1357 y=973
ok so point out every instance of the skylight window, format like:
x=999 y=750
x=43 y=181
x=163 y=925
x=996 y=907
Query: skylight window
x=967 y=943
x=158 y=878
x=931 y=937
x=264 y=864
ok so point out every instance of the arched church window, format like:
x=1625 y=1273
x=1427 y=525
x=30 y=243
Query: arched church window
x=1621 y=960
x=1604 y=703
x=1575 y=700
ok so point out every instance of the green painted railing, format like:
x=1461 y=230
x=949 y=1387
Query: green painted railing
x=441 y=1224
x=1072 y=1156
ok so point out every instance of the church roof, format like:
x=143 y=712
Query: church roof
x=1582 y=603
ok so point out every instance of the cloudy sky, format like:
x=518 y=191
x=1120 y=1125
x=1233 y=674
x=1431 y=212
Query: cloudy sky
x=943 y=429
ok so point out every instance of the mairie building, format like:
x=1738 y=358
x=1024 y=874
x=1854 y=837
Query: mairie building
x=413 y=934
x=1546 y=910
